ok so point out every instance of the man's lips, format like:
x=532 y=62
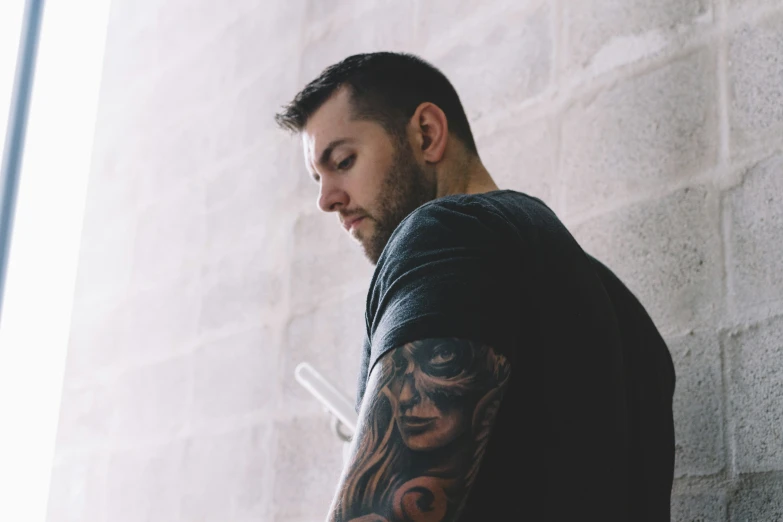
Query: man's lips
x=348 y=224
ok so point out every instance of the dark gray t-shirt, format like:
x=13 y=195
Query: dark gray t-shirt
x=585 y=430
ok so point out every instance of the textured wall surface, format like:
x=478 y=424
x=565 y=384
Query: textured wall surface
x=653 y=127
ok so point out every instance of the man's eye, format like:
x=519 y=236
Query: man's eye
x=346 y=163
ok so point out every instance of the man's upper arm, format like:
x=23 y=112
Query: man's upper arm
x=423 y=429
x=451 y=270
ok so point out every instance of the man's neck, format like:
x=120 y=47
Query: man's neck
x=476 y=180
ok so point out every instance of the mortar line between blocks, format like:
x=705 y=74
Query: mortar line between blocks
x=729 y=438
x=724 y=157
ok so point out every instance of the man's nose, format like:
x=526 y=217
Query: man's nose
x=332 y=196
x=409 y=396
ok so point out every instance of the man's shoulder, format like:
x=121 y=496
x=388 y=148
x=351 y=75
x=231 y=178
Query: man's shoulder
x=456 y=208
x=463 y=218
x=495 y=201
x=441 y=223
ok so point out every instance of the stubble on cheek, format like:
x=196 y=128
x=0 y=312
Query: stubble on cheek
x=404 y=188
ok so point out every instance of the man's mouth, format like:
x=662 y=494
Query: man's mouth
x=355 y=223
x=350 y=224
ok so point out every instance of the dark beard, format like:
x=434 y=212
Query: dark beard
x=405 y=188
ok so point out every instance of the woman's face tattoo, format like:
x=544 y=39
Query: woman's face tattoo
x=434 y=386
x=424 y=433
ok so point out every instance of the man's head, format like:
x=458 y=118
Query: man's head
x=376 y=128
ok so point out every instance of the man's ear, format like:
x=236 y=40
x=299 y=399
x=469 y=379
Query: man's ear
x=431 y=131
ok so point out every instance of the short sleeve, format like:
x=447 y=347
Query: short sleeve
x=451 y=269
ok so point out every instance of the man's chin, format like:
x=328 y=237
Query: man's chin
x=370 y=253
x=372 y=250
x=368 y=241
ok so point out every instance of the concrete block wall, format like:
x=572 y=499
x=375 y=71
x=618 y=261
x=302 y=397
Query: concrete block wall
x=653 y=127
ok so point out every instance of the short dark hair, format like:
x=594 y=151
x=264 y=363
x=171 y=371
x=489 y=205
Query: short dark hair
x=385 y=87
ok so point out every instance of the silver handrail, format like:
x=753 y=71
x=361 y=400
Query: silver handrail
x=344 y=417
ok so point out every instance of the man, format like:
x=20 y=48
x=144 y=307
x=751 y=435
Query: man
x=507 y=374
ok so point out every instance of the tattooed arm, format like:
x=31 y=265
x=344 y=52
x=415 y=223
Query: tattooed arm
x=423 y=428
